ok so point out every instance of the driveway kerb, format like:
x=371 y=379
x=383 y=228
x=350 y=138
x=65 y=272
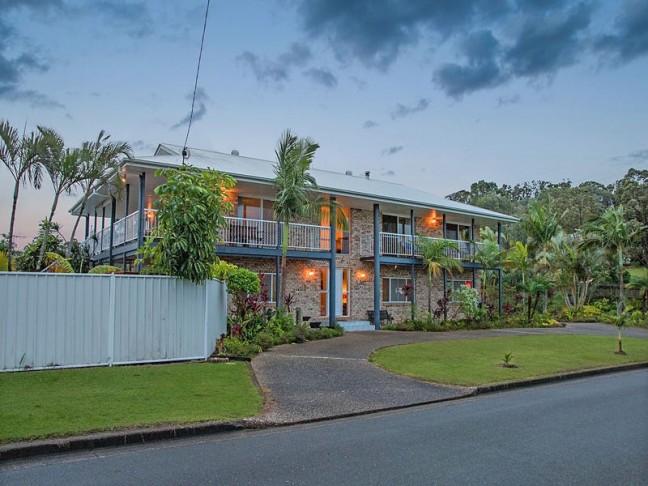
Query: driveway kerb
x=152 y=434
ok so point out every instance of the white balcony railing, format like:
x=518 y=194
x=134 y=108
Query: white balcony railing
x=253 y=233
x=400 y=245
x=257 y=233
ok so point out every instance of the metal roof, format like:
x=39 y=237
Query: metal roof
x=356 y=186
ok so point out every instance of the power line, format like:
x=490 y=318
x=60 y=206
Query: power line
x=185 y=152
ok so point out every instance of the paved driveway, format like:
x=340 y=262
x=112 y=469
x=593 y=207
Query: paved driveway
x=334 y=377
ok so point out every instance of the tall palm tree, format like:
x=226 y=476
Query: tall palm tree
x=614 y=235
x=64 y=167
x=435 y=254
x=103 y=160
x=21 y=156
x=489 y=255
x=295 y=186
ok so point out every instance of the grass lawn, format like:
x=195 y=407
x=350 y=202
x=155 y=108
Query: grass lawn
x=637 y=271
x=38 y=404
x=473 y=362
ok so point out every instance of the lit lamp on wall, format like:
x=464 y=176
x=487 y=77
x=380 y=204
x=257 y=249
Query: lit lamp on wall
x=361 y=276
x=433 y=220
x=309 y=274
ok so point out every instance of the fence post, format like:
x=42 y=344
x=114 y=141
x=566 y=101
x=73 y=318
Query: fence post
x=206 y=339
x=111 y=321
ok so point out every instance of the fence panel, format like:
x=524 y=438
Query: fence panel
x=61 y=320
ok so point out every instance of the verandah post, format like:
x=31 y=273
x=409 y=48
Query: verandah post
x=376 y=252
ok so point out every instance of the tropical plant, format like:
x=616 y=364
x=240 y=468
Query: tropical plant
x=27 y=260
x=4 y=262
x=20 y=154
x=619 y=320
x=575 y=269
x=221 y=270
x=295 y=186
x=534 y=288
x=489 y=255
x=64 y=167
x=192 y=205
x=612 y=233
x=57 y=263
x=242 y=283
x=468 y=302
x=100 y=166
x=640 y=283
x=436 y=259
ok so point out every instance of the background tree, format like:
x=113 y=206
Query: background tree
x=295 y=190
x=101 y=162
x=489 y=255
x=64 y=167
x=28 y=259
x=192 y=203
x=20 y=154
x=640 y=283
x=435 y=254
x=632 y=193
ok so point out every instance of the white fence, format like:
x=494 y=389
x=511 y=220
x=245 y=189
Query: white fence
x=69 y=320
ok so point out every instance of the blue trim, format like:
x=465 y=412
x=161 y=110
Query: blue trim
x=271 y=252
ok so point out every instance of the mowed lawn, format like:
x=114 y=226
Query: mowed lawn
x=474 y=362
x=38 y=404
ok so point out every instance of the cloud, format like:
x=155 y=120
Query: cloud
x=403 y=111
x=369 y=124
x=508 y=100
x=141 y=145
x=278 y=70
x=200 y=108
x=376 y=32
x=392 y=150
x=389 y=173
x=9 y=92
x=548 y=43
x=637 y=158
x=322 y=76
x=133 y=18
x=630 y=40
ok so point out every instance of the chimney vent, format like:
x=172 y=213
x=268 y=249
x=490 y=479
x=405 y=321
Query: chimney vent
x=235 y=152
x=367 y=173
x=348 y=172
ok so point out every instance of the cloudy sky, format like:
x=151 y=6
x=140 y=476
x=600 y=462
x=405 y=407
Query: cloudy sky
x=434 y=94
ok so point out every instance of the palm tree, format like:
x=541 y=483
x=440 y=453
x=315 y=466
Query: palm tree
x=64 y=169
x=517 y=258
x=640 y=283
x=295 y=186
x=489 y=255
x=541 y=227
x=435 y=254
x=21 y=156
x=103 y=160
x=614 y=235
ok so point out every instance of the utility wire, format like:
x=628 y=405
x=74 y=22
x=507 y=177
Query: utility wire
x=185 y=152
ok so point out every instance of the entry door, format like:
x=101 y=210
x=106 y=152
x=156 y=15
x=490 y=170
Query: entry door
x=342 y=292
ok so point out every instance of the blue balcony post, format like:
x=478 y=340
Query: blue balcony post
x=332 y=268
x=140 y=214
x=376 y=251
x=445 y=276
x=87 y=226
x=113 y=215
x=473 y=250
x=125 y=215
x=278 y=278
x=413 y=269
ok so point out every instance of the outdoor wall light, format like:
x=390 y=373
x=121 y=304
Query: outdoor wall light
x=361 y=275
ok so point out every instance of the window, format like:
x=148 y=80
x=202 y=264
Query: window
x=254 y=208
x=269 y=286
x=394 y=289
x=396 y=224
x=323 y=295
x=457 y=232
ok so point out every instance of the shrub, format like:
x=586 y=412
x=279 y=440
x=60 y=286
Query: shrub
x=242 y=283
x=591 y=312
x=105 y=270
x=468 y=299
x=222 y=270
x=236 y=347
x=604 y=305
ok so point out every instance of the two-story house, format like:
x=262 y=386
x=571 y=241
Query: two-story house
x=339 y=272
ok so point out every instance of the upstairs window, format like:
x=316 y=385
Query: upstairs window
x=396 y=224
x=457 y=232
x=255 y=208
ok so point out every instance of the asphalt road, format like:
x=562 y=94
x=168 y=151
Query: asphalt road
x=590 y=431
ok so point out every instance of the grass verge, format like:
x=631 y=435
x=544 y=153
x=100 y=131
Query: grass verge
x=40 y=404
x=474 y=362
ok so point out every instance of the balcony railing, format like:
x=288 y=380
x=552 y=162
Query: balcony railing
x=399 y=245
x=125 y=231
x=252 y=233
x=257 y=233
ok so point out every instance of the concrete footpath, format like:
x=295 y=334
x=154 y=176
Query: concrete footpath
x=328 y=379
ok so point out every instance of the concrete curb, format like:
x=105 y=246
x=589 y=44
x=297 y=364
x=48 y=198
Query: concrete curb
x=21 y=450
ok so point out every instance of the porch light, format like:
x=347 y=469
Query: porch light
x=361 y=276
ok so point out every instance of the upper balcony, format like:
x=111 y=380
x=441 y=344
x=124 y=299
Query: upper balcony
x=238 y=232
x=400 y=245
